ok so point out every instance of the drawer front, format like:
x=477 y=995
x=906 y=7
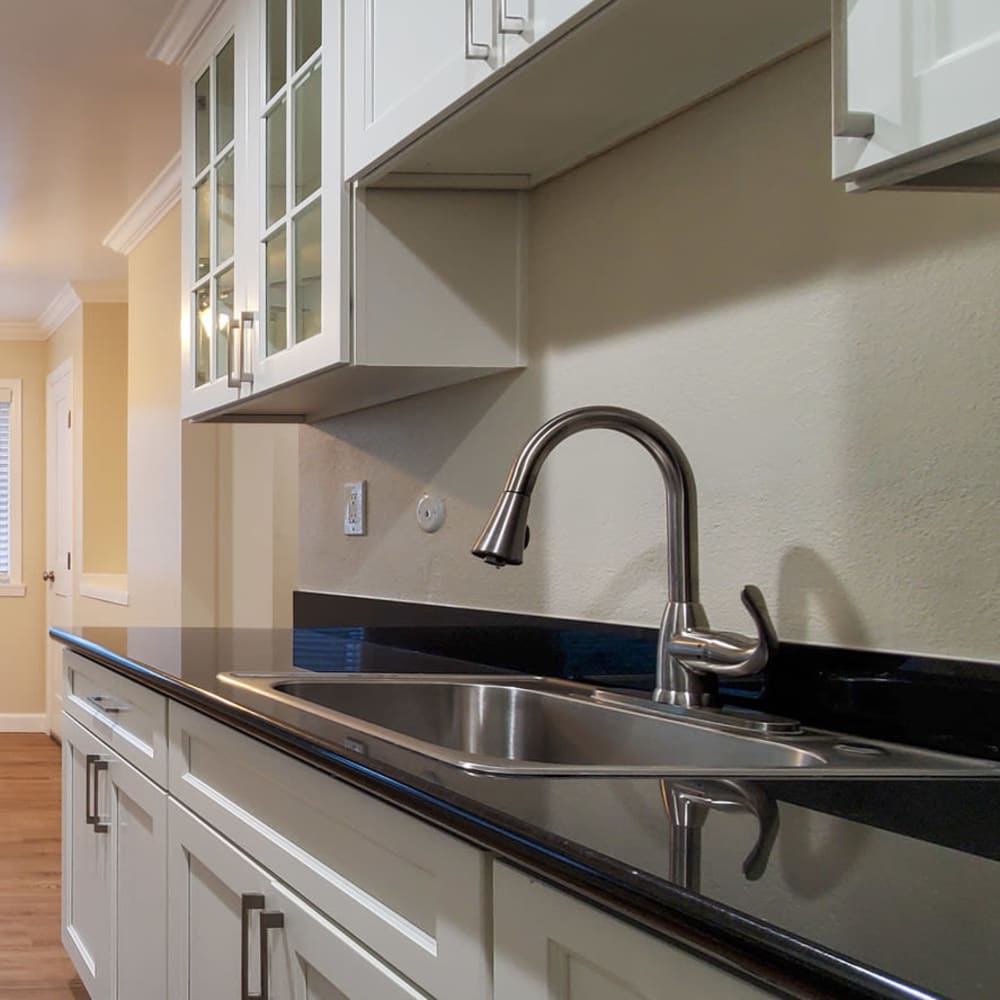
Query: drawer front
x=130 y=718
x=416 y=896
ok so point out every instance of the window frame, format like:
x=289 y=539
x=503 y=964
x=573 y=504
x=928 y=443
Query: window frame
x=12 y=585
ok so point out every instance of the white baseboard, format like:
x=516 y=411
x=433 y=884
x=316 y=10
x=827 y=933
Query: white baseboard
x=13 y=722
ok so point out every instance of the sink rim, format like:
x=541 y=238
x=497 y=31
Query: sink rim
x=825 y=760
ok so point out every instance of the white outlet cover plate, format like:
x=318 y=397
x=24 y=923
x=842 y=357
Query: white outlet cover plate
x=356 y=508
x=430 y=513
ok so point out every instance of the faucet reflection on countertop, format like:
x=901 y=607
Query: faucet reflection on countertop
x=687 y=805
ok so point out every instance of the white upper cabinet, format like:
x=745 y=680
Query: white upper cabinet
x=300 y=299
x=216 y=209
x=405 y=63
x=916 y=92
x=563 y=81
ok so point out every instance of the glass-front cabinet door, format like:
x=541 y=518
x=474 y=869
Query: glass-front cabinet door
x=302 y=316
x=214 y=206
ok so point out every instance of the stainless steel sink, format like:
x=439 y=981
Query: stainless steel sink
x=528 y=725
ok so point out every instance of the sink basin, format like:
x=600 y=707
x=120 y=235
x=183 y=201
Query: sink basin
x=524 y=725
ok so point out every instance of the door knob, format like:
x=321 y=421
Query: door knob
x=49 y=576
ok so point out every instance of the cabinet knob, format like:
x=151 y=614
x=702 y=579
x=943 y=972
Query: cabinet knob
x=49 y=576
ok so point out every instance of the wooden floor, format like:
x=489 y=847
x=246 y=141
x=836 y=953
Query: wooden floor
x=33 y=965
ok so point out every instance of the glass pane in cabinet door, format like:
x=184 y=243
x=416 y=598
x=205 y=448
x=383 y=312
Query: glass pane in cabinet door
x=276 y=292
x=308 y=29
x=202 y=116
x=224 y=209
x=224 y=96
x=277 y=40
x=223 y=320
x=308 y=273
x=308 y=134
x=202 y=335
x=202 y=229
x=275 y=142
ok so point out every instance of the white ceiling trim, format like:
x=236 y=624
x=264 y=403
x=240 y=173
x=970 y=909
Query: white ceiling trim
x=150 y=207
x=177 y=33
x=21 y=331
x=65 y=303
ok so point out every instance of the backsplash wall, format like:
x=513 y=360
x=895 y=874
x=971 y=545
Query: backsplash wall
x=830 y=363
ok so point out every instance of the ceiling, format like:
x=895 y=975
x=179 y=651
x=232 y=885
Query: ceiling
x=86 y=122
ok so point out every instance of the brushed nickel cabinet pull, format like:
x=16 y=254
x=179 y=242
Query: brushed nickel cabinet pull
x=473 y=49
x=846 y=123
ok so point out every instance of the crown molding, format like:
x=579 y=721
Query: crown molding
x=180 y=29
x=21 y=331
x=63 y=305
x=149 y=208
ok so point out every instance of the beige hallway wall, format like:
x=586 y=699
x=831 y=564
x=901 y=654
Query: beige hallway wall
x=22 y=619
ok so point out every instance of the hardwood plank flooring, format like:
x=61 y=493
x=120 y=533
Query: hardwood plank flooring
x=33 y=964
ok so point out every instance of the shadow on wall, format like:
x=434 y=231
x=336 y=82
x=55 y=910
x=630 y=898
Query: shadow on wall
x=723 y=205
x=809 y=590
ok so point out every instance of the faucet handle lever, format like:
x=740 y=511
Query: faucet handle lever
x=767 y=637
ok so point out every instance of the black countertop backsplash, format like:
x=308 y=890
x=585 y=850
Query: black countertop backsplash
x=886 y=888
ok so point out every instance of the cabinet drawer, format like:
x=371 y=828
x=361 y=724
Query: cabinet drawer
x=130 y=718
x=413 y=894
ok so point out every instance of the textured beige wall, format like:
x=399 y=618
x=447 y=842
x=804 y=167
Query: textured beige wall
x=212 y=509
x=830 y=363
x=257 y=536
x=154 y=428
x=22 y=619
x=104 y=430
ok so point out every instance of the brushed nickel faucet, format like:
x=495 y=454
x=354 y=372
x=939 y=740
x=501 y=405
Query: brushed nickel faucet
x=690 y=657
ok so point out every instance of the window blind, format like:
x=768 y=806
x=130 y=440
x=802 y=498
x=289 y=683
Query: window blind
x=5 y=484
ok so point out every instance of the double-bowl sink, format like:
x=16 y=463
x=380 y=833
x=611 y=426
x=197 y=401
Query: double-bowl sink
x=518 y=725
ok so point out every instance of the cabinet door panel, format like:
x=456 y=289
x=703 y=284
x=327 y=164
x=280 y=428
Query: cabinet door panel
x=308 y=957
x=86 y=913
x=550 y=946
x=138 y=884
x=929 y=73
x=404 y=64
x=302 y=269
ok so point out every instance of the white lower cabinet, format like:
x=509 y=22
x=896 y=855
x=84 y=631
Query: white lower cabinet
x=114 y=871
x=550 y=946
x=257 y=877
x=235 y=931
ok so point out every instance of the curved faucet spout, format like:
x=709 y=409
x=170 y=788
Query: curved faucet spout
x=502 y=540
x=689 y=655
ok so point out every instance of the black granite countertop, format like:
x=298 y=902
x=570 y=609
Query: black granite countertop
x=881 y=888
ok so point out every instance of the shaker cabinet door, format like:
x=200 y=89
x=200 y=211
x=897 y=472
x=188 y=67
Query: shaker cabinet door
x=236 y=931
x=86 y=902
x=912 y=79
x=405 y=63
x=550 y=946
x=217 y=209
x=114 y=871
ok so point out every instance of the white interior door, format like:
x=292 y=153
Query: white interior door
x=59 y=514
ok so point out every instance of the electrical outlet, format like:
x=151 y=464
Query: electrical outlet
x=356 y=508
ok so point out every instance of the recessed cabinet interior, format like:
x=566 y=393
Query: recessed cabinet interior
x=279 y=254
x=917 y=93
